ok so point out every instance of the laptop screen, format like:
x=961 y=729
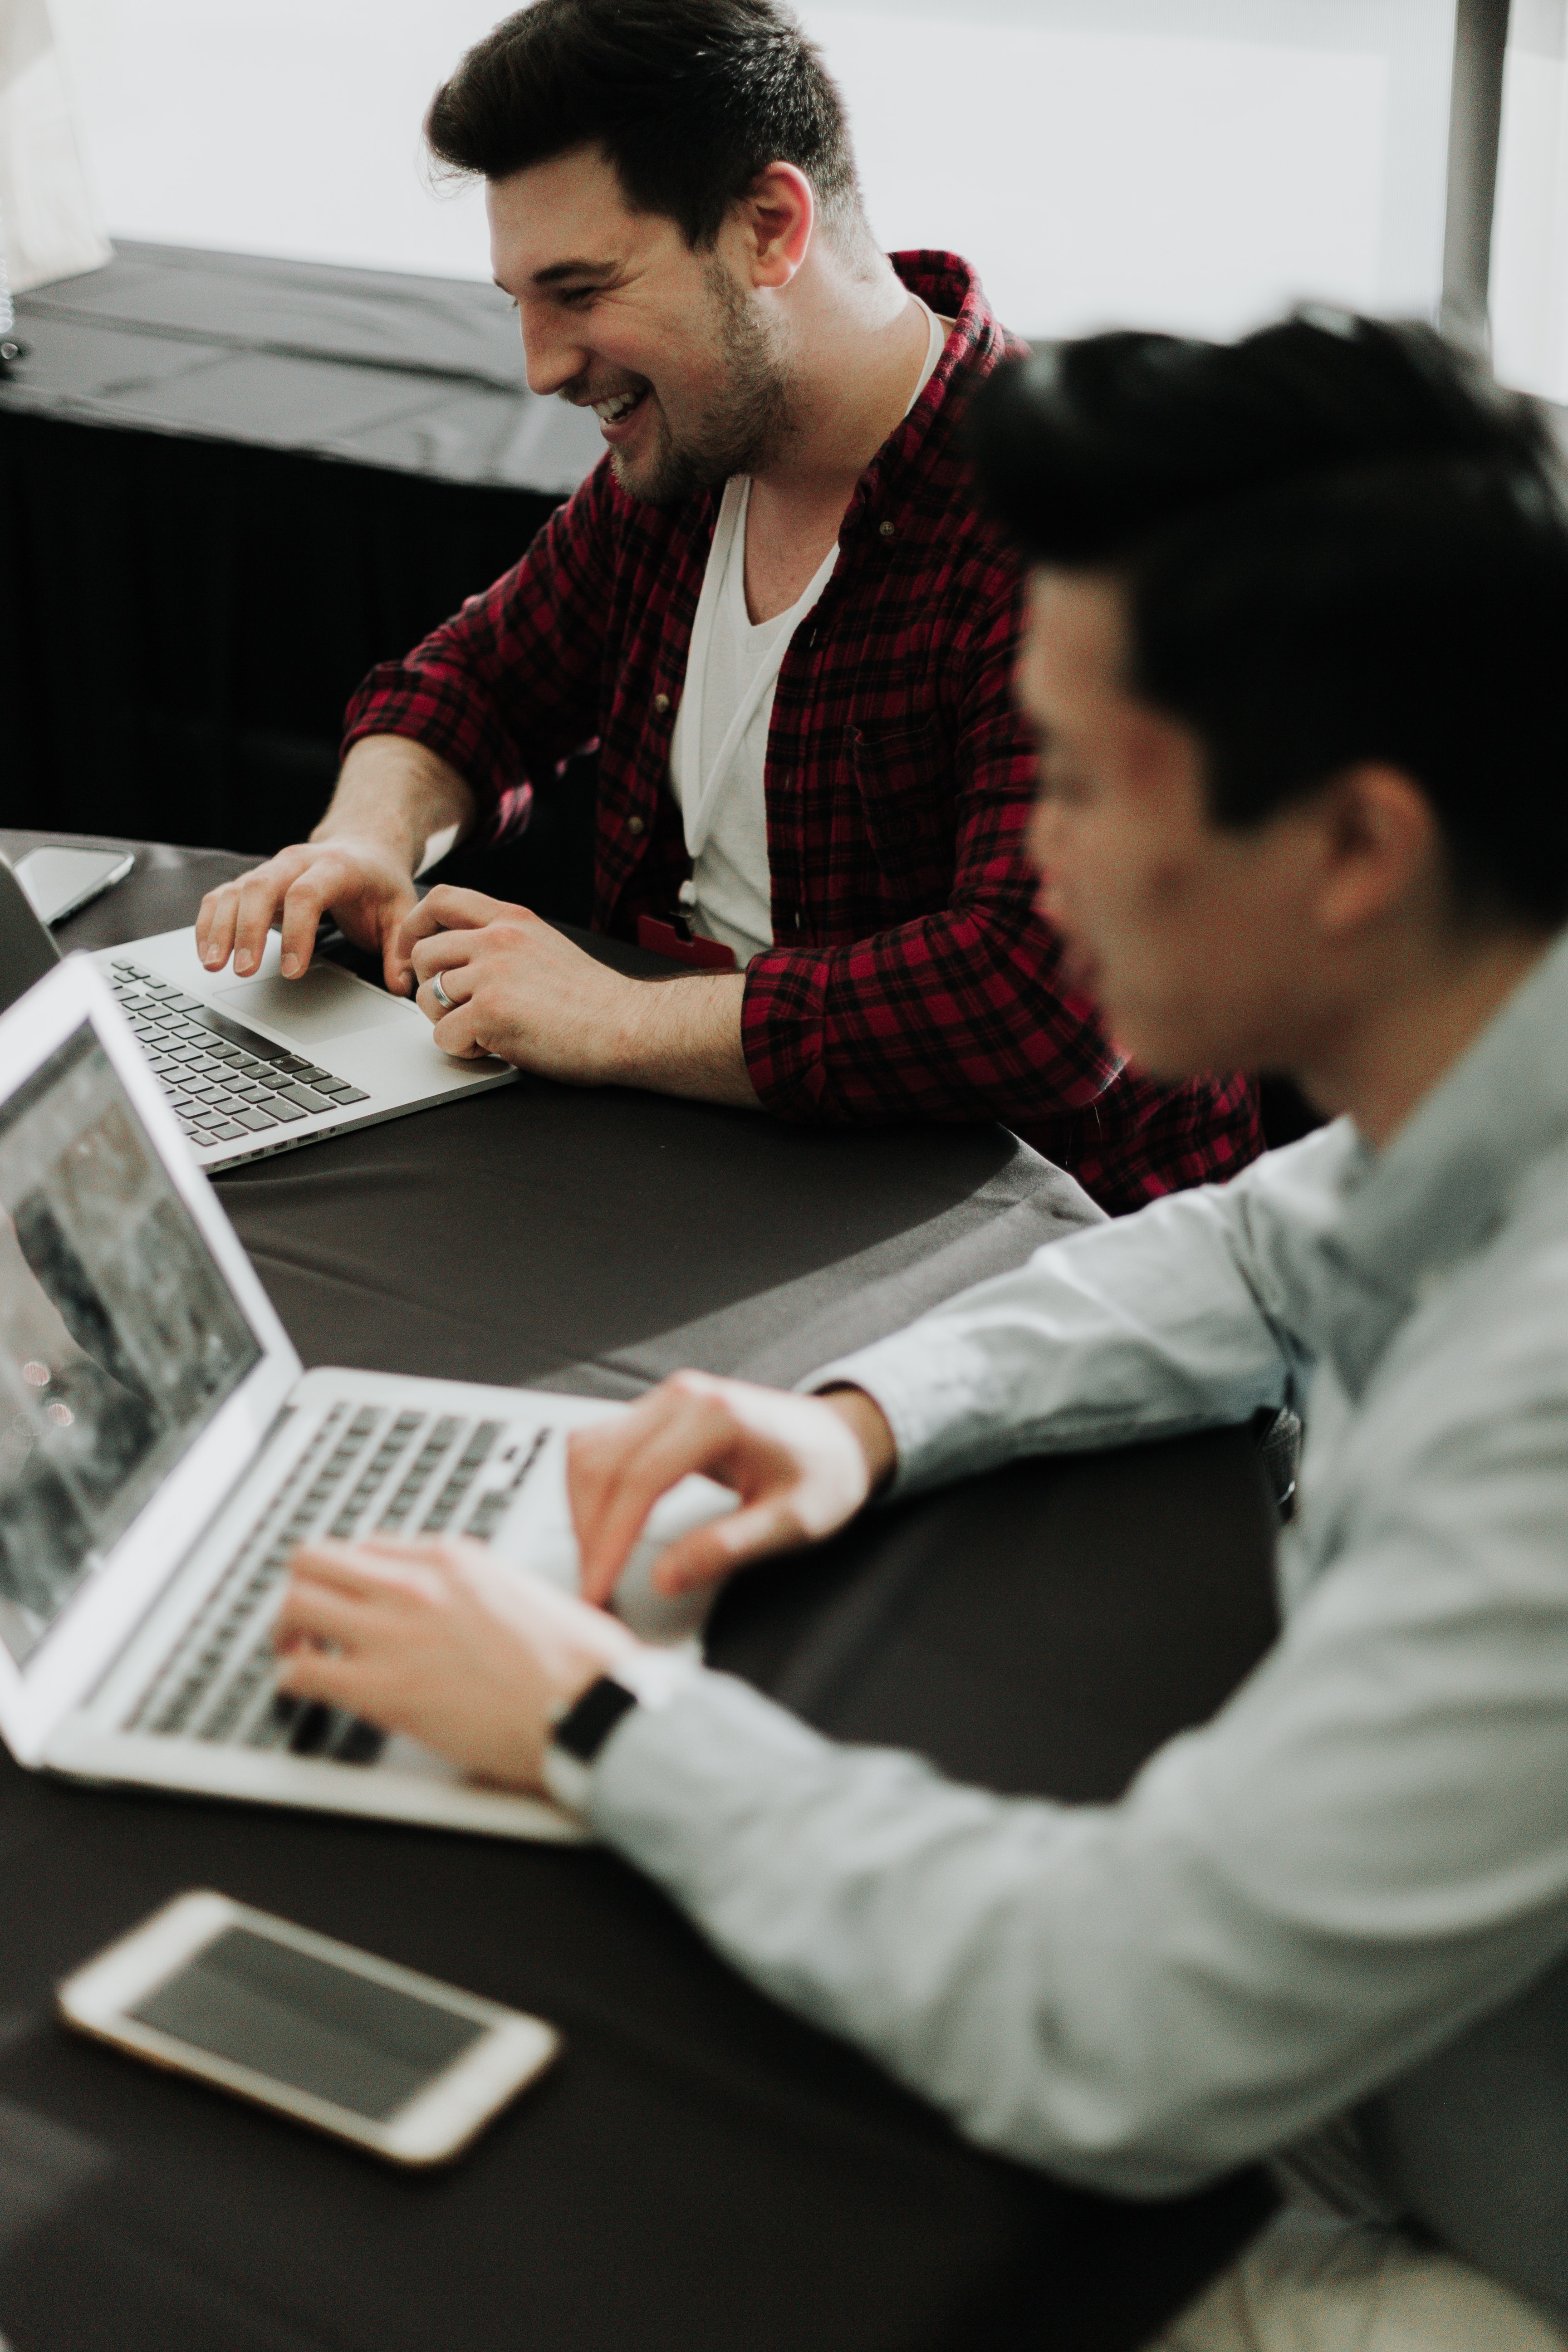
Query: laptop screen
x=120 y=1337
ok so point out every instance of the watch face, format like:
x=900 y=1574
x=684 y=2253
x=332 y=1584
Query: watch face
x=584 y=1727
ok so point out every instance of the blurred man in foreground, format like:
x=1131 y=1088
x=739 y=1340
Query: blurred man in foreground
x=1295 y=659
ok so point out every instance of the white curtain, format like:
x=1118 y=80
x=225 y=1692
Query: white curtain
x=1529 y=231
x=47 y=217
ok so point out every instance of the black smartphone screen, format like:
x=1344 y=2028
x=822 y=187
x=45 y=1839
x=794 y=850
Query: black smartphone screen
x=308 y=2024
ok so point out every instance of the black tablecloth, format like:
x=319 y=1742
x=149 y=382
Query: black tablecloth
x=701 y=2171
x=597 y=1238
x=229 y=485
x=423 y=376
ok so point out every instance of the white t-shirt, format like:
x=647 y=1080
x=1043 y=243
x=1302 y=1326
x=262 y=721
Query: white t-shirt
x=718 y=752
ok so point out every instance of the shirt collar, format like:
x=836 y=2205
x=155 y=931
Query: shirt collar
x=1448 y=1178
x=977 y=344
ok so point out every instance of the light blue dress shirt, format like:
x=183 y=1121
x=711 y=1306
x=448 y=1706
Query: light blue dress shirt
x=1348 y=1892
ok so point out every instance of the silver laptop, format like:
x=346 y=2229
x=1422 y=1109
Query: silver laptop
x=162 y=1456
x=252 y=1067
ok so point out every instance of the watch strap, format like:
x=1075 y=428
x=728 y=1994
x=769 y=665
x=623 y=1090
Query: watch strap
x=588 y=1722
x=645 y=1677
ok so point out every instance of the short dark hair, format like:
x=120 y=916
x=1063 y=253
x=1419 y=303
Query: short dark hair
x=1341 y=541
x=691 y=99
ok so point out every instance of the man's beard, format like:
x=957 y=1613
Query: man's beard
x=748 y=420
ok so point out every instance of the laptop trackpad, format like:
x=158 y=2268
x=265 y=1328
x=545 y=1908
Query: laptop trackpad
x=326 y=1003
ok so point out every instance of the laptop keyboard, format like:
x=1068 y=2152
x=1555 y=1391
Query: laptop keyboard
x=370 y=1471
x=224 y=1082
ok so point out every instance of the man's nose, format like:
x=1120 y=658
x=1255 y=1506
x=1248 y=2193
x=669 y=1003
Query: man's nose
x=551 y=358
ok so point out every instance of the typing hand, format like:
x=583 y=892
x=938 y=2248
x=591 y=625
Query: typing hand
x=801 y=1466
x=359 y=881
x=442 y=1643
x=517 y=988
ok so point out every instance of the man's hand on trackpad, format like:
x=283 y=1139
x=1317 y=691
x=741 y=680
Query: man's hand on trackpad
x=802 y=1467
x=499 y=978
x=357 y=881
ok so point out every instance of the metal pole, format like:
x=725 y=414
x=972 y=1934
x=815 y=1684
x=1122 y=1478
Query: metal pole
x=1475 y=123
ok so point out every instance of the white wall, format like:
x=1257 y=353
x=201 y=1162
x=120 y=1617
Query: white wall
x=1186 y=162
x=1530 y=228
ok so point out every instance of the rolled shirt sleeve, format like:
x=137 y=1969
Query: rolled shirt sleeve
x=1185 y=1317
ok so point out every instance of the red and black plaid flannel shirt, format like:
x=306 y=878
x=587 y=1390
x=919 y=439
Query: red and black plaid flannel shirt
x=911 y=978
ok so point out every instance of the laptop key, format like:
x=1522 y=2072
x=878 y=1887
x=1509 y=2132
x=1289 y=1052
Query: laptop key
x=307 y=1097
x=253 y=1119
x=312 y=1728
x=226 y=1133
x=354 y=1095
x=362 y=1743
x=279 y=1108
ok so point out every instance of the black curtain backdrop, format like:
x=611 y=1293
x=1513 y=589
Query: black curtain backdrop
x=182 y=621
x=229 y=485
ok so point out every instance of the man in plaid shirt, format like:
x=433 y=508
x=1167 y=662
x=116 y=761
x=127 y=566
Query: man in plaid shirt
x=830 y=830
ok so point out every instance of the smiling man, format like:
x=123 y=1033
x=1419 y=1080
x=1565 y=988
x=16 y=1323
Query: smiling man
x=1296 y=652
x=777 y=611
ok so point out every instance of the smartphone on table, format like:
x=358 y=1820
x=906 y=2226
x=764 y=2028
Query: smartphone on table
x=396 y=2062
x=58 y=881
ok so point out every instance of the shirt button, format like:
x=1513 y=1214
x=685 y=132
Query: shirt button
x=887 y=529
x=661 y=703
x=634 y=825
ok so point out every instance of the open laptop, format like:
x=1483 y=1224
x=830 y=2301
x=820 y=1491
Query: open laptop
x=252 y=1067
x=162 y=1455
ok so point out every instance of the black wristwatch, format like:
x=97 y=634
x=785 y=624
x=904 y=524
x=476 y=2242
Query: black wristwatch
x=588 y=1722
x=647 y=1678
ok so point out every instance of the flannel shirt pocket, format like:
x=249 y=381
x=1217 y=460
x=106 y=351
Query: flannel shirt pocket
x=904 y=774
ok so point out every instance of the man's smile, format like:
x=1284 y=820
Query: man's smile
x=615 y=410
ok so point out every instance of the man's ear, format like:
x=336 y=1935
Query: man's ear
x=778 y=215
x=1381 y=847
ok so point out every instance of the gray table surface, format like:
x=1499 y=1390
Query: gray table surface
x=702 y=2172
x=594 y=1239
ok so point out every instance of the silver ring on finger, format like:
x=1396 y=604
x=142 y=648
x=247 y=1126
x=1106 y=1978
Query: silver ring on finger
x=438 y=990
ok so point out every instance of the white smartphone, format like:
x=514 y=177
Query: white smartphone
x=58 y=881
x=394 y=2061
